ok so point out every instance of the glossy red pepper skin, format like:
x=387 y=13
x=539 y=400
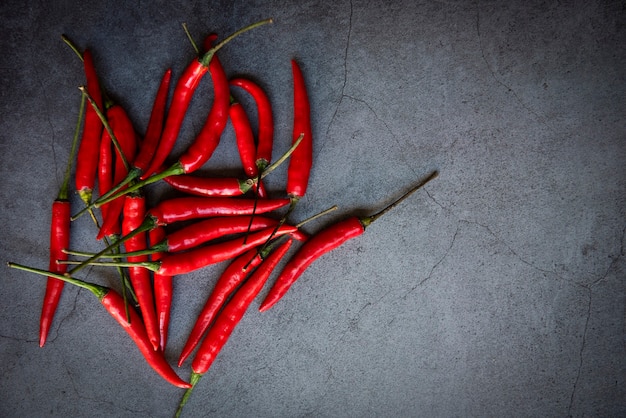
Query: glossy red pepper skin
x=209 y=186
x=245 y=144
x=59 y=240
x=173 y=264
x=209 y=229
x=114 y=304
x=124 y=131
x=181 y=98
x=105 y=168
x=265 y=135
x=155 y=125
x=302 y=158
x=245 y=139
x=318 y=245
x=187 y=208
x=209 y=136
x=228 y=281
x=163 y=291
x=88 y=151
x=134 y=213
x=234 y=310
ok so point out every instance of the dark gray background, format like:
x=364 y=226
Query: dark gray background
x=496 y=291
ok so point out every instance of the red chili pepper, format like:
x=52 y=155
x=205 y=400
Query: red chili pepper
x=187 y=208
x=320 y=244
x=232 y=276
x=105 y=168
x=229 y=317
x=126 y=136
x=155 y=125
x=59 y=240
x=134 y=213
x=87 y=160
x=265 y=118
x=163 y=290
x=245 y=141
x=302 y=158
x=210 y=186
x=115 y=306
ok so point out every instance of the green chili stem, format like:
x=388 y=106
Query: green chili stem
x=65 y=186
x=148 y=224
x=195 y=378
x=72 y=46
x=150 y=265
x=206 y=58
x=369 y=219
x=191 y=41
x=97 y=290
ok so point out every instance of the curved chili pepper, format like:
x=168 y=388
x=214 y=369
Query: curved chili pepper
x=232 y=276
x=210 y=186
x=163 y=290
x=126 y=136
x=115 y=306
x=155 y=126
x=87 y=159
x=265 y=119
x=323 y=242
x=228 y=319
x=245 y=144
x=208 y=138
x=133 y=215
x=302 y=158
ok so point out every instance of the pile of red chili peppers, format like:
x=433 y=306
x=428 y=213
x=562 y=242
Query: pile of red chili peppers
x=233 y=219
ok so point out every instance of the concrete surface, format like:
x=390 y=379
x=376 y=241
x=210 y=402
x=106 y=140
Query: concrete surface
x=496 y=291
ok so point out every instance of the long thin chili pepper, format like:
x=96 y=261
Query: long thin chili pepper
x=245 y=143
x=59 y=240
x=155 y=125
x=301 y=161
x=173 y=264
x=323 y=242
x=265 y=134
x=302 y=158
x=228 y=319
x=210 y=186
x=87 y=159
x=133 y=215
x=105 y=169
x=123 y=130
x=199 y=151
x=163 y=290
x=115 y=306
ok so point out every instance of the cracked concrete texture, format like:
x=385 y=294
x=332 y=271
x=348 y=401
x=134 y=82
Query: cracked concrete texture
x=498 y=290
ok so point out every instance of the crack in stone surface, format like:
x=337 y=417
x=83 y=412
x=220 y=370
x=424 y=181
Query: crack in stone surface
x=508 y=88
x=581 y=355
